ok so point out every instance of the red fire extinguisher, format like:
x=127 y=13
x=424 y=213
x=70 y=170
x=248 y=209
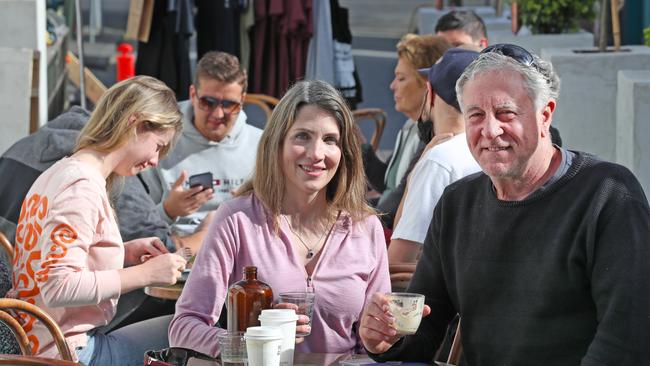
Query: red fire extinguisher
x=125 y=62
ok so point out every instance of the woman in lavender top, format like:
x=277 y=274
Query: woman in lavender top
x=302 y=220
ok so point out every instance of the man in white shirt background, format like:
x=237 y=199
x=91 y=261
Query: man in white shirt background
x=439 y=166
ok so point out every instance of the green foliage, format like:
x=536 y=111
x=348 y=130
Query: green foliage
x=646 y=35
x=554 y=16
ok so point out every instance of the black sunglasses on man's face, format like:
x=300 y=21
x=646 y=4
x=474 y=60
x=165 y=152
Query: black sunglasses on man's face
x=209 y=104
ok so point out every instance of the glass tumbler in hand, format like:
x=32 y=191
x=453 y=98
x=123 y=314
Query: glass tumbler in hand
x=305 y=303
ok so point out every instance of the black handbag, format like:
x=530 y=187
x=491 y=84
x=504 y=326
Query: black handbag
x=177 y=356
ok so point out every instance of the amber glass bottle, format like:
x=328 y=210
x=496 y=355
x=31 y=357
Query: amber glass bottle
x=246 y=300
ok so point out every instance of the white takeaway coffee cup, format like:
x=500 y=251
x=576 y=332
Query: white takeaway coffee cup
x=263 y=345
x=285 y=319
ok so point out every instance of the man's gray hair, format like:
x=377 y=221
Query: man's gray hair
x=540 y=80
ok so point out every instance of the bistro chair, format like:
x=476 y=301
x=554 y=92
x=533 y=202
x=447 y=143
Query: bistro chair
x=265 y=102
x=378 y=116
x=19 y=333
x=6 y=246
x=21 y=360
x=8 y=344
x=456 y=350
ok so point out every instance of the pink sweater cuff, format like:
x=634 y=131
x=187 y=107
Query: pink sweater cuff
x=109 y=285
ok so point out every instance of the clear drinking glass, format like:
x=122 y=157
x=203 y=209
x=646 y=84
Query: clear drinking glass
x=233 y=349
x=305 y=302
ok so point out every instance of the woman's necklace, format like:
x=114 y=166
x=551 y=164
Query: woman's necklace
x=310 y=249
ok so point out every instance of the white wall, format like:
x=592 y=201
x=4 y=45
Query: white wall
x=22 y=26
x=633 y=125
x=536 y=42
x=15 y=92
x=586 y=109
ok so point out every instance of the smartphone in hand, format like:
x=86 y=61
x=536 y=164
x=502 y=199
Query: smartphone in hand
x=203 y=179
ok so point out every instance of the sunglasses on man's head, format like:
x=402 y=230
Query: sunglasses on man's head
x=515 y=52
x=209 y=104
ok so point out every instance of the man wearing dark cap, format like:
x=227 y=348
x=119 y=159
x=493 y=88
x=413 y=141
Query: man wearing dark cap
x=439 y=166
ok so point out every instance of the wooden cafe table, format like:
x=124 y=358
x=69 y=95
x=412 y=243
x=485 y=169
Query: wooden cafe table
x=321 y=359
x=335 y=359
x=302 y=359
x=171 y=292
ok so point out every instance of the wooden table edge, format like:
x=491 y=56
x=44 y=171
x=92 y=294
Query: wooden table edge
x=172 y=292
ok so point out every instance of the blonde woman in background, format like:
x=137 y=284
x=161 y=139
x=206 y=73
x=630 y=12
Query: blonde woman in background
x=414 y=52
x=70 y=259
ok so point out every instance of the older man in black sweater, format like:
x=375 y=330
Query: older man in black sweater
x=544 y=254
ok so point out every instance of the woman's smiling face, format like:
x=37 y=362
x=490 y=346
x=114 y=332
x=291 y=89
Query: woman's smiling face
x=143 y=151
x=311 y=152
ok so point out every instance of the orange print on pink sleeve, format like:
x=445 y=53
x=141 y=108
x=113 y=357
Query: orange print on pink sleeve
x=61 y=236
x=27 y=322
x=24 y=281
x=29 y=227
x=27 y=256
x=33 y=340
x=28 y=232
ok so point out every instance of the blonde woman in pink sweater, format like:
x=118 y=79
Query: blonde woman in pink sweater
x=302 y=220
x=70 y=259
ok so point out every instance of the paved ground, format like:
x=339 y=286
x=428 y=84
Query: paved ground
x=381 y=18
x=377 y=26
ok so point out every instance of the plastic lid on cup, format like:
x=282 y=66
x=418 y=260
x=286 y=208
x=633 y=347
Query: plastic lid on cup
x=279 y=315
x=263 y=333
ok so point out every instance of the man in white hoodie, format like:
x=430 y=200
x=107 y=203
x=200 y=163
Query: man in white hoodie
x=215 y=139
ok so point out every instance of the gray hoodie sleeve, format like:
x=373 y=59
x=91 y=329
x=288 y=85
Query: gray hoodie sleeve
x=157 y=192
x=138 y=214
x=153 y=184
